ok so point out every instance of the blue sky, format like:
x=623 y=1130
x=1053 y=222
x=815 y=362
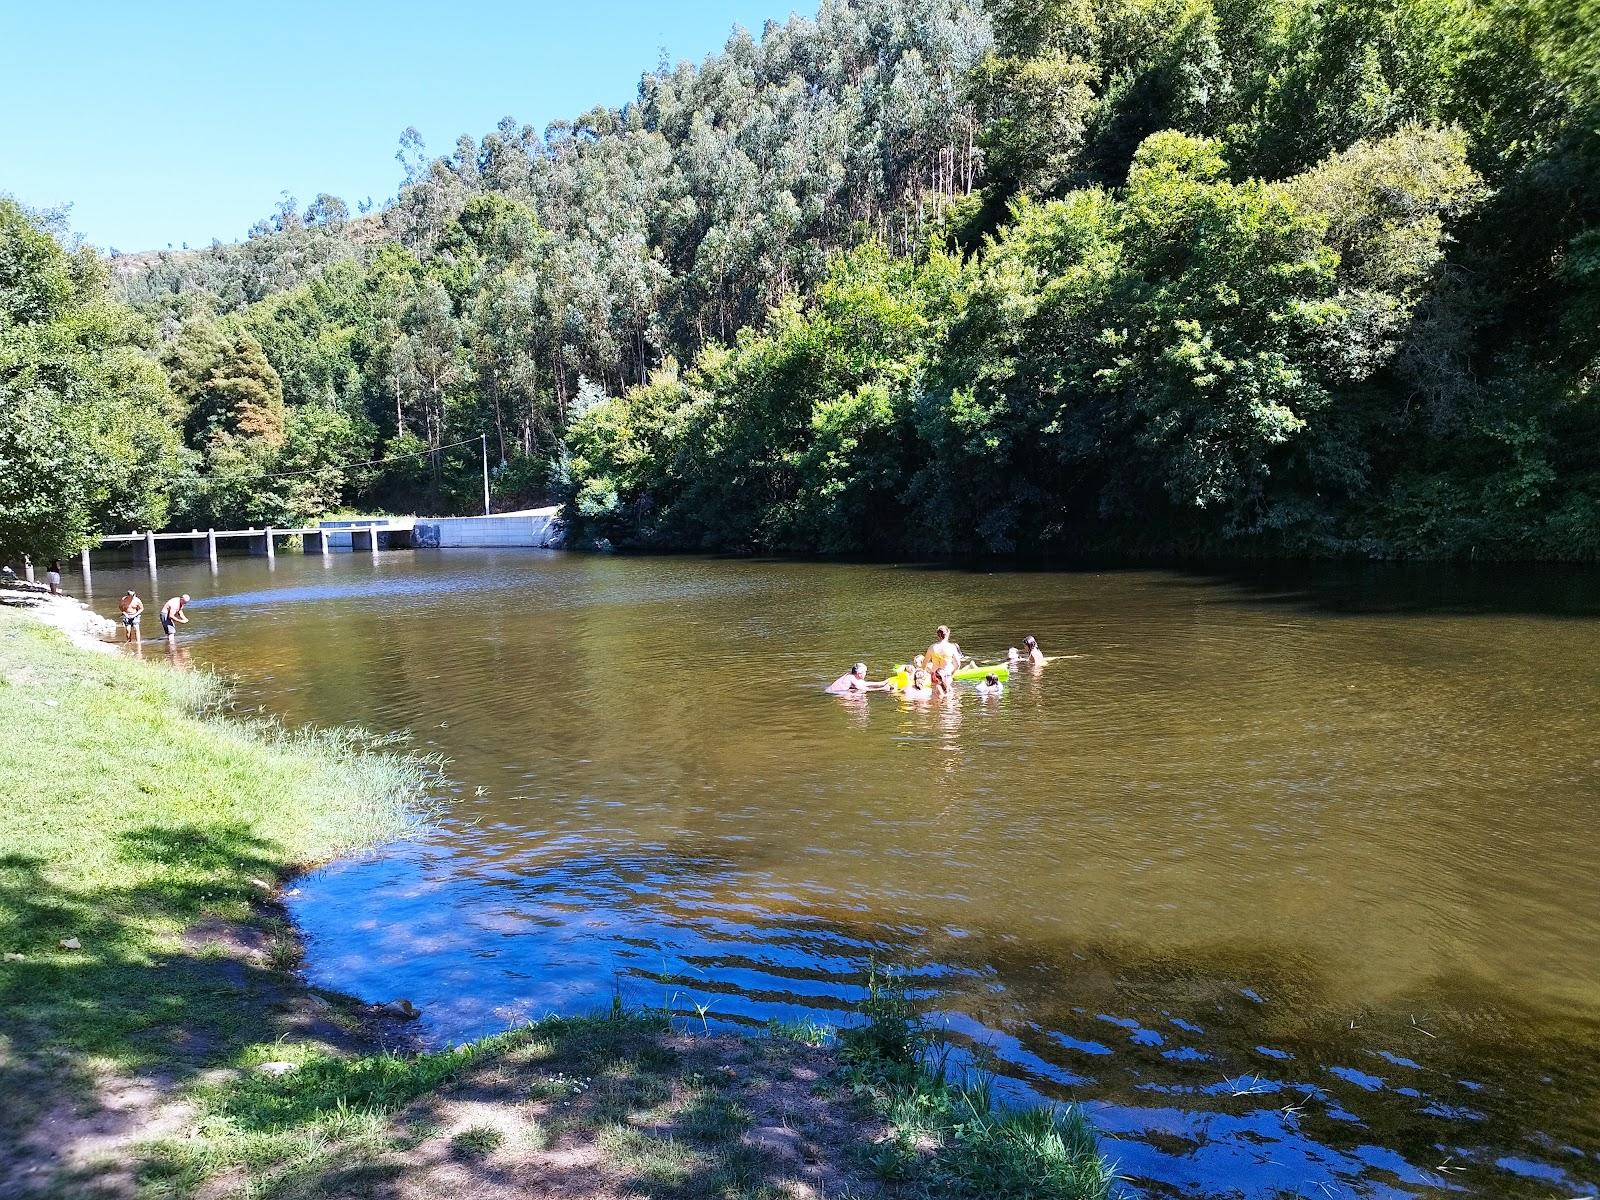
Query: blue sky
x=169 y=122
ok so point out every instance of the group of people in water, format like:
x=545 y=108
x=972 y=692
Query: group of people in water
x=931 y=674
x=171 y=614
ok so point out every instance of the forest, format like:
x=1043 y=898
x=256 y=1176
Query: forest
x=910 y=277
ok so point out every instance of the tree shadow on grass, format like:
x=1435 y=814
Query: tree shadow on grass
x=169 y=979
x=584 y=1107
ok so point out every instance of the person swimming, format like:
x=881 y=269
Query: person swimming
x=991 y=685
x=855 y=680
x=1035 y=655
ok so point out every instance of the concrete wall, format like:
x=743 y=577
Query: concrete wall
x=350 y=533
x=535 y=528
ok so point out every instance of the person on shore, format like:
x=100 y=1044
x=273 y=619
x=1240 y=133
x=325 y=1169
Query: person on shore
x=132 y=609
x=855 y=680
x=991 y=685
x=1035 y=655
x=172 y=615
x=52 y=576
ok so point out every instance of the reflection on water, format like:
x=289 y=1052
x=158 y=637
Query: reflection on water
x=1290 y=878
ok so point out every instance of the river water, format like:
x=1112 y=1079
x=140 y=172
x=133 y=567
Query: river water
x=1292 y=880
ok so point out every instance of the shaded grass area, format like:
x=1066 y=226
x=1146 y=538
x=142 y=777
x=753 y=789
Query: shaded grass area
x=146 y=827
x=616 y=1104
x=624 y=1105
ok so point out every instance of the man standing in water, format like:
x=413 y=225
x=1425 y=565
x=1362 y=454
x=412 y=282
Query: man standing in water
x=172 y=615
x=132 y=608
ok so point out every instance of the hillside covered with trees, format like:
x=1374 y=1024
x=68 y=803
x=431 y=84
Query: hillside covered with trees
x=1302 y=277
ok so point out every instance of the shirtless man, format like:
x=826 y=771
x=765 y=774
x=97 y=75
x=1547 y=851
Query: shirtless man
x=131 y=607
x=855 y=680
x=944 y=656
x=171 y=615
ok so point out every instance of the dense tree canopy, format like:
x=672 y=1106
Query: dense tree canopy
x=1233 y=276
x=86 y=418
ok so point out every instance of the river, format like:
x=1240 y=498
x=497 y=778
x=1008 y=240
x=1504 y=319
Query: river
x=1291 y=878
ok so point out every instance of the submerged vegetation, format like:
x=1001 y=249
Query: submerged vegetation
x=1239 y=276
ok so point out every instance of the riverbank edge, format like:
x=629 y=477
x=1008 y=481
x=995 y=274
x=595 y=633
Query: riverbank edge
x=625 y=1102
x=141 y=957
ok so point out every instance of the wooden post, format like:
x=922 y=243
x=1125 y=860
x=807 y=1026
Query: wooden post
x=211 y=547
x=270 y=556
x=83 y=558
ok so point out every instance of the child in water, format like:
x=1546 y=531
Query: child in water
x=991 y=685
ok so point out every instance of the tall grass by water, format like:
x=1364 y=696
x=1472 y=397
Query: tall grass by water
x=945 y=1135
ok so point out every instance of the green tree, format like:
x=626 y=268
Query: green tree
x=86 y=420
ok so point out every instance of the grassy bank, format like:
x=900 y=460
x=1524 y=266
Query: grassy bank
x=154 y=1042
x=141 y=838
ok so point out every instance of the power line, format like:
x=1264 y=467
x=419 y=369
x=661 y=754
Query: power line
x=376 y=462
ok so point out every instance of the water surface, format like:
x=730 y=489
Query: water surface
x=1292 y=880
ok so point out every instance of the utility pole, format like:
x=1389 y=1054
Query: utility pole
x=483 y=444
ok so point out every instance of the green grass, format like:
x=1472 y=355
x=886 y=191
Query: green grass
x=808 y=1032
x=477 y=1141
x=136 y=812
x=300 y=1134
